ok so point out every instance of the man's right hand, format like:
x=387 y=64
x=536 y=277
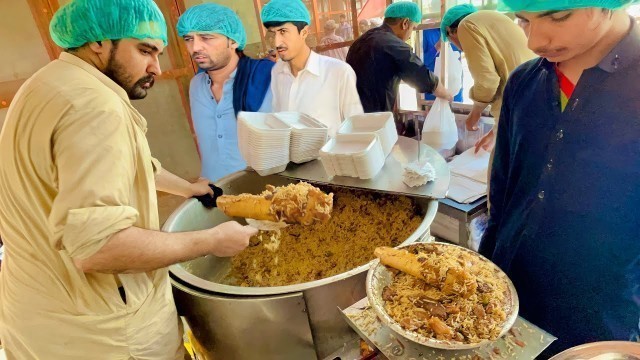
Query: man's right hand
x=231 y=238
x=443 y=93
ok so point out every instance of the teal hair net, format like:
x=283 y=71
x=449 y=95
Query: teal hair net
x=556 y=5
x=212 y=18
x=452 y=15
x=404 y=10
x=285 y=11
x=84 y=21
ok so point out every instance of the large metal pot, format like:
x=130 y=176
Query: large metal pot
x=299 y=321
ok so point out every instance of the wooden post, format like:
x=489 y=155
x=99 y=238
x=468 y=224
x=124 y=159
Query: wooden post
x=354 y=20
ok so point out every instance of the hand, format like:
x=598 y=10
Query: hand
x=443 y=93
x=231 y=238
x=487 y=142
x=472 y=120
x=200 y=187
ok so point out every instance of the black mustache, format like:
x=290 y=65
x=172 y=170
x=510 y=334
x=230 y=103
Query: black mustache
x=147 y=79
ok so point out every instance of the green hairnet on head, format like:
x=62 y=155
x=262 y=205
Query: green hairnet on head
x=212 y=18
x=84 y=21
x=557 y=5
x=404 y=10
x=282 y=11
x=452 y=15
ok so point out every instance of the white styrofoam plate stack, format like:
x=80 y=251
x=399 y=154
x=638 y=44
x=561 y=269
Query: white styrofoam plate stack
x=308 y=136
x=355 y=155
x=264 y=142
x=381 y=124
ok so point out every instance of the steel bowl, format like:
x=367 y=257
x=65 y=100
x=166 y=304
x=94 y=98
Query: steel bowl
x=379 y=276
x=604 y=350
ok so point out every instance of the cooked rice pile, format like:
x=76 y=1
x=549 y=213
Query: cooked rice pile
x=360 y=222
x=426 y=310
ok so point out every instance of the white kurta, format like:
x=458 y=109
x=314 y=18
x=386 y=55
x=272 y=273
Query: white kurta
x=325 y=89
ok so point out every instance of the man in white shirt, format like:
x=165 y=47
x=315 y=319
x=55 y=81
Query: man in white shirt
x=306 y=82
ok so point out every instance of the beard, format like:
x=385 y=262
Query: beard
x=117 y=72
x=210 y=64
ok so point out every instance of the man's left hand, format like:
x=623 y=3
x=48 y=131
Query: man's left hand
x=201 y=187
x=487 y=142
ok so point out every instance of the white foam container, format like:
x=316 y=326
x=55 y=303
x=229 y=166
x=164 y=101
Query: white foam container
x=264 y=141
x=308 y=135
x=380 y=123
x=355 y=155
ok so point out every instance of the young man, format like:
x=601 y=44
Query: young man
x=84 y=269
x=564 y=187
x=494 y=46
x=381 y=58
x=317 y=85
x=230 y=82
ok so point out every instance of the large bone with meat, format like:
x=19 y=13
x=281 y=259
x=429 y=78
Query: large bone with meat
x=299 y=203
x=457 y=280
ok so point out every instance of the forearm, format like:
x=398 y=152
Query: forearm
x=135 y=250
x=478 y=108
x=172 y=184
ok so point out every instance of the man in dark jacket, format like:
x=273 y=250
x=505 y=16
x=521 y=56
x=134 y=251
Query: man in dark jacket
x=381 y=58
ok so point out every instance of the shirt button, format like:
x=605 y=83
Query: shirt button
x=219 y=116
x=560 y=134
x=219 y=136
x=541 y=195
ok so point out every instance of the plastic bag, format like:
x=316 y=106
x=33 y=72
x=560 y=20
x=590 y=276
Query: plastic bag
x=454 y=69
x=440 y=130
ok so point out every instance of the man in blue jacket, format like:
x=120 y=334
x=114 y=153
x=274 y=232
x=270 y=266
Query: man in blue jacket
x=564 y=223
x=231 y=82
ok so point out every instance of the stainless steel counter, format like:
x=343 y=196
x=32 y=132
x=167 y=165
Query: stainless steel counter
x=389 y=179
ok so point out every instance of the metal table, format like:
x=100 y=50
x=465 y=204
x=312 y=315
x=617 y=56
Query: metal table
x=524 y=341
x=389 y=179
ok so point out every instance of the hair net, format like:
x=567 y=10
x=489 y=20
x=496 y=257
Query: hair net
x=452 y=15
x=212 y=18
x=283 y=11
x=84 y=21
x=552 y=5
x=404 y=10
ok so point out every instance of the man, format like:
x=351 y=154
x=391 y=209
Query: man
x=230 y=82
x=345 y=30
x=564 y=186
x=331 y=38
x=494 y=46
x=317 y=85
x=381 y=58
x=84 y=270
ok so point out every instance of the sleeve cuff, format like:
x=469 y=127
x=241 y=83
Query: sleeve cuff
x=157 y=166
x=88 y=229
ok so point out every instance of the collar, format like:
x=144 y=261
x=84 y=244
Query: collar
x=76 y=61
x=312 y=66
x=625 y=52
x=207 y=78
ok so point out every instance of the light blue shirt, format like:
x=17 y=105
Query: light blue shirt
x=216 y=127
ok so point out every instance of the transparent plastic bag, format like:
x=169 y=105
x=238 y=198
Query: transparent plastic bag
x=440 y=130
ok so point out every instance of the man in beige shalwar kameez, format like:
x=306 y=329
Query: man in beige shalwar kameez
x=84 y=274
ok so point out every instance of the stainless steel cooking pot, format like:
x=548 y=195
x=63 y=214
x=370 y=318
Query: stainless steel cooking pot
x=299 y=321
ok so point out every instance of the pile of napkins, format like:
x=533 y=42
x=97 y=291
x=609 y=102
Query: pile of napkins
x=417 y=174
x=469 y=175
